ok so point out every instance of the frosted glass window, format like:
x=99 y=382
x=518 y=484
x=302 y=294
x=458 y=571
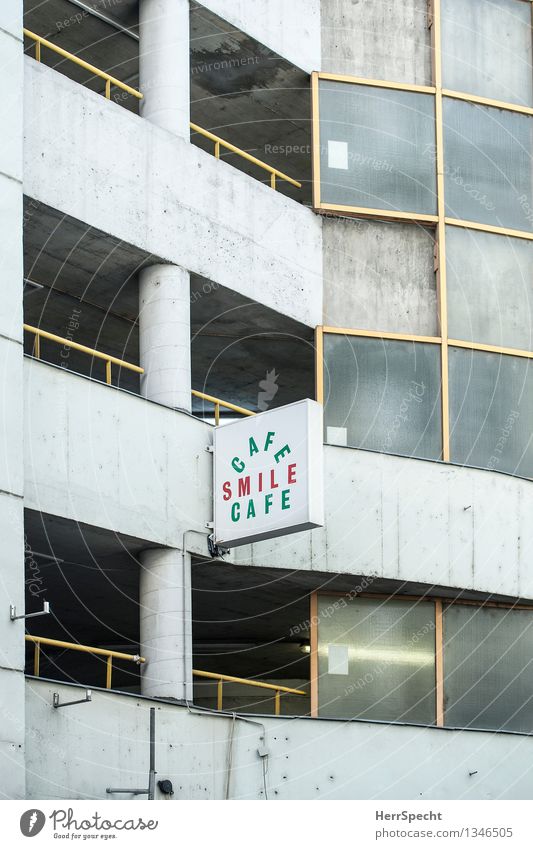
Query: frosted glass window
x=390 y=649
x=490 y=288
x=487 y=165
x=388 y=158
x=486 y=49
x=488 y=668
x=491 y=411
x=384 y=394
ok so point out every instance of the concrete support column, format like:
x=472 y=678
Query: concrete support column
x=164 y=63
x=165 y=623
x=165 y=335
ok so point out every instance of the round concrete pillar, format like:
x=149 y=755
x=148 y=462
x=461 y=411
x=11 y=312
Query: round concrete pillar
x=165 y=335
x=164 y=63
x=165 y=624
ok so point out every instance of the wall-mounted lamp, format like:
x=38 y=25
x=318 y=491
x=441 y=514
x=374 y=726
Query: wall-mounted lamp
x=305 y=647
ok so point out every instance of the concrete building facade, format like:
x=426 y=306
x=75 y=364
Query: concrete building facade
x=219 y=208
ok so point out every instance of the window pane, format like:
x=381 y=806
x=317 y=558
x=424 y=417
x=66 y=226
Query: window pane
x=491 y=410
x=382 y=395
x=486 y=49
x=376 y=659
x=488 y=668
x=487 y=165
x=490 y=288
x=377 y=147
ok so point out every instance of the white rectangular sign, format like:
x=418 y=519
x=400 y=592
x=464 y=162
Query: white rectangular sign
x=268 y=476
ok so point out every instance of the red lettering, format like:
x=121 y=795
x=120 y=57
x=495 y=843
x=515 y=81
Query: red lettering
x=260 y=481
x=244 y=486
x=291 y=473
x=226 y=489
x=273 y=484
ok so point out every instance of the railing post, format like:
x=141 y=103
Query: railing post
x=217 y=149
x=109 y=671
x=38 y=51
x=277 y=703
x=108 y=89
x=217 y=414
x=220 y=685
x=37 y=659
x=272 y=180
x=37 y=347
x=108 y=372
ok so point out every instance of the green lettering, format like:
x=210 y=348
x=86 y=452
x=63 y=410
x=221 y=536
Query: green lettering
x=253 y=447
x=281 y=453
x=235 y=512
x=285 y=493
x=269 y=437
x=238 y=465
x=251 y=509
x=268 y=503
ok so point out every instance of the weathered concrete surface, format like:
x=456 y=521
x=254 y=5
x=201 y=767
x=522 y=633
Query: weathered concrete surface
x=379 y=276
x=11 y=449
x=137 y=182
x=291 y=29
x=414 y=520
x=307 y=758
x=113 y=460
x=381 y=40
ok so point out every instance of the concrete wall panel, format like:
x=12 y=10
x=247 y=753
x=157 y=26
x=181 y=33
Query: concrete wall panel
x=114 y=460
x=381 y=40
x=308 y=759
x=379 y=276
x=97 y=162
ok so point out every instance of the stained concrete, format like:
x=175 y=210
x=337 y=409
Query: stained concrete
x=379 y=276
x=379 y=40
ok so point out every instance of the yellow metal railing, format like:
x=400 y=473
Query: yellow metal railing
x=109 y=80
x=218 y=141
x=108 y=653
x=108 y=358
x=218 y=403
x=222 y=679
